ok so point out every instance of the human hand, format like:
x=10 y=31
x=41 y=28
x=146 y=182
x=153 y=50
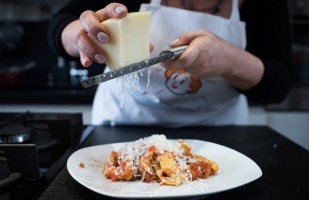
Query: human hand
x=76 y=36
x=206 y=56
x=209 y=55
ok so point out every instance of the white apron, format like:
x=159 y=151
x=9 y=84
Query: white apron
x=174 y=98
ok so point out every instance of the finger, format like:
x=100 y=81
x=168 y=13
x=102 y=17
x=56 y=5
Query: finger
x=87 y=50
x=184 y=60
x=85 y=60
x=91 y=21
x=187 y=38
x=190 y=54
x=112 y=10
x=91 y=24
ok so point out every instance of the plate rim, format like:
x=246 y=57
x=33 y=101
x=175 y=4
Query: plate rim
x=259 y=173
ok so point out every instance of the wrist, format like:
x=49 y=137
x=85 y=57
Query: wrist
x=243 y=70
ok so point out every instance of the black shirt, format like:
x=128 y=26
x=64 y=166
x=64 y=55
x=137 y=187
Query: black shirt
x=268 y=37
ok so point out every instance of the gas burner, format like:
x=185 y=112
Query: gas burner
x=13 y=129
x=11 y=134
x=33 y=147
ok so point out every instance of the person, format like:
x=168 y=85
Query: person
x=237 y=50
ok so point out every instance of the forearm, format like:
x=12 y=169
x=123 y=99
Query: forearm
x=245 y=70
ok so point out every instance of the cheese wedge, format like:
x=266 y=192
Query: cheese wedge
x=129 y=39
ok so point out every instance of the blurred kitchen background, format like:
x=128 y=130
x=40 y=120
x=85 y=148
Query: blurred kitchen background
x=29 y=71
x=32 y=78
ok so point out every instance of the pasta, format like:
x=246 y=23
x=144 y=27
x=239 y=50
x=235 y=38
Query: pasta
x=157 y=159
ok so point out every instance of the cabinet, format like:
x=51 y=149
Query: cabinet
x=294 y=125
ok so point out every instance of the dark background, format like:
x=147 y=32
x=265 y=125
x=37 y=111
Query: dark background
x=55 y=80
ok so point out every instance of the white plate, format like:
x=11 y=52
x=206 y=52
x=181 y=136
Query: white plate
x=235 y=169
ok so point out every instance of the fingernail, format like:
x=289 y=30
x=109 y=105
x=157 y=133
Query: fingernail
x=102 y=37
x=119 y=10
x=99 y=58
x=175 y=42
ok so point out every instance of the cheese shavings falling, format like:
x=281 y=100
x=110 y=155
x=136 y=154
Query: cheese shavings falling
x=132 y=81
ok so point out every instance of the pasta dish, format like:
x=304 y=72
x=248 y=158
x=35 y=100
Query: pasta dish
x=156 y=159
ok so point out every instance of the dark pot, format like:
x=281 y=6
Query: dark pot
x=10 y=77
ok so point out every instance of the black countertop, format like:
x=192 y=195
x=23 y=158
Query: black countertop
x=283 y=163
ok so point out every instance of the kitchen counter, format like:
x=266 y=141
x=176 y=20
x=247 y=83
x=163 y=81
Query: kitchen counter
x=284 y=164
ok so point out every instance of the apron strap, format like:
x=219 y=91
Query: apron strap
x=235 y=10
x=156 y=2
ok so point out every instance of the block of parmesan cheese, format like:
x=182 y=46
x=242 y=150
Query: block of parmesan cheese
x=129 y=39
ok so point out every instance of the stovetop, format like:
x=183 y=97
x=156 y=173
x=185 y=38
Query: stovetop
x=33 y=148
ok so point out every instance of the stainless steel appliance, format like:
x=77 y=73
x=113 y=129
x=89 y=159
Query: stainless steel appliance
x=300 y=26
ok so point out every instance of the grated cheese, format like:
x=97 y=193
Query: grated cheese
x=131 y=153
x=155 y=158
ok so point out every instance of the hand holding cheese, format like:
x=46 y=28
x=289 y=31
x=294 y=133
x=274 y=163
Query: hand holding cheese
x=129 y=39
x=75 y=36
